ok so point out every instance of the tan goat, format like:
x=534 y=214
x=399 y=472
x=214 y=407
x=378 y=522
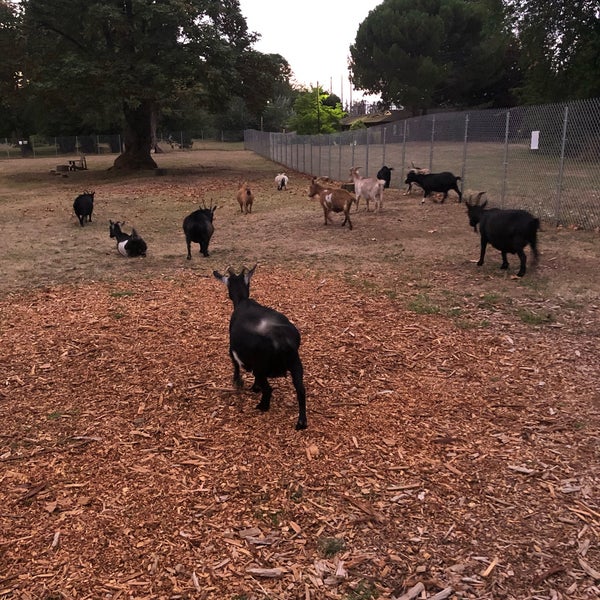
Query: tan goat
x=246 y=198
x=332 y=200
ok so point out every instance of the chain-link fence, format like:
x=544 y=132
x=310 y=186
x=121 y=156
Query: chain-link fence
x=545 y=159
x=37 y=146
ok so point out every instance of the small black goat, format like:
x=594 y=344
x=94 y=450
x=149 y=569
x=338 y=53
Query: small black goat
x=385 y=173
x=127 y=244
x=507 y=230
x=435 y=182
x=198 y=228
x=262 y=341
x=84 y=206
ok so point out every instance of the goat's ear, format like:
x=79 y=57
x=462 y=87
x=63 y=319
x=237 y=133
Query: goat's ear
x=484 y=204
x=248 y=274
x=221 y=277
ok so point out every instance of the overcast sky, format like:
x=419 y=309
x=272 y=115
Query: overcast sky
x=314 y=36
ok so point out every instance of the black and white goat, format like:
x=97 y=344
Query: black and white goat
x=198 y=228
x=507 y=230
x=435 y=182
x=281 y=179
x=129 y=245
x=262 y=341
x=84 y=207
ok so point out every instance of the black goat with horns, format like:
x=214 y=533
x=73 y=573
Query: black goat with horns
x=262 y=341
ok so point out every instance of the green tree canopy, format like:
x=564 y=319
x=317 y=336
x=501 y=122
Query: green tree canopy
x=313 y=113
x=560 y=42
x=101 y=58
x=11 y=64
x=425 y=53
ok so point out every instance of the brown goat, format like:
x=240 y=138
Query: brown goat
x=332 y=200
x=246 y=198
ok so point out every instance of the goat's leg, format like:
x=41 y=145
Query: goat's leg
x=504 y=264
x=523 y=267
x=189 y=249
x=204 y=249
x=297 y=373
x=482 y=253
x=237 y=377
x=267 y=390
x=347 y=218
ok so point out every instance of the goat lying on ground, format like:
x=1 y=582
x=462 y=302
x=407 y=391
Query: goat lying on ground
x=435 y=182
x=84 y=206
x=245 y=197
x=332 y=200
x=262 y=341
x=127 y=244
x=281 y=180
x=367 y=188
x=385 y=173
x=198 y=228
x=507 y=230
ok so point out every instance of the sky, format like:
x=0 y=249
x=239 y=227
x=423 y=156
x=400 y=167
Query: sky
x=314 y=36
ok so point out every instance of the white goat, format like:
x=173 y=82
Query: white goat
x=282 y=180
x=367 y=188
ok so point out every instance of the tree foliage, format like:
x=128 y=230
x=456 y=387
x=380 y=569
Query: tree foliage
x=425 y=53
x=97 y=59
x=11 y=62
x=560 y=42
x=314 y=113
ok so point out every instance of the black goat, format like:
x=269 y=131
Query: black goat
x=385 y=173
x=262 y=341
x=127 y=244
x=84 y=206
x=198 y=228
x=507 y=230
x=435 y=182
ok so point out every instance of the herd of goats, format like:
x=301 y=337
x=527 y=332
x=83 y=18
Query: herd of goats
x=262 y=340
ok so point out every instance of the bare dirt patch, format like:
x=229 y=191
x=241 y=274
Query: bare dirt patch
x=453 y=411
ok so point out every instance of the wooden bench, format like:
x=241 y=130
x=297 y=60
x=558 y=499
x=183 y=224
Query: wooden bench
x=78 y=164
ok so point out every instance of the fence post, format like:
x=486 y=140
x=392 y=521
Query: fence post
x=431 y=143
x=353 y=144
x=320 y=138
x=404 y=146
x=383 y=150
x=562 y=164
x=329 y=171
x=367 y=154
x=340 y=157
x=505 y=172
x=465 y=142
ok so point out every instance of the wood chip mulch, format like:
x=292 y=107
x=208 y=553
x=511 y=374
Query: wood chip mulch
x=439 y=462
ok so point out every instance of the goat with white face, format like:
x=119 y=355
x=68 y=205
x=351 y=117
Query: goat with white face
x=262 y=341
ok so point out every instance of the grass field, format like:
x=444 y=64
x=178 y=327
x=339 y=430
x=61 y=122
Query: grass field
x=453 y=409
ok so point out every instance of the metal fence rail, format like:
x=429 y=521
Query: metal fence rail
x=545 y=159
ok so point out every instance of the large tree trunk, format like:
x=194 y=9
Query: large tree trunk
x=138 y=138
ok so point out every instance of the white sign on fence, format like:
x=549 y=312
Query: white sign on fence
x=535 y=140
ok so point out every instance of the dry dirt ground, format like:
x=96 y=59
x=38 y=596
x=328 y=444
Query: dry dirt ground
x=452 y=448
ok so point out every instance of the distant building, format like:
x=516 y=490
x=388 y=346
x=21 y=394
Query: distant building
x=376 y=118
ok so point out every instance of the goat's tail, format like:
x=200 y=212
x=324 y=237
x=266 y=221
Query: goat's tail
x=534 y=225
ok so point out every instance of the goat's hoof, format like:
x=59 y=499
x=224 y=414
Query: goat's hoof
x=301 y=424
x=479 y=263
x=504 y=266
x=255 y=388
x=520 y=274
x=263 y=407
